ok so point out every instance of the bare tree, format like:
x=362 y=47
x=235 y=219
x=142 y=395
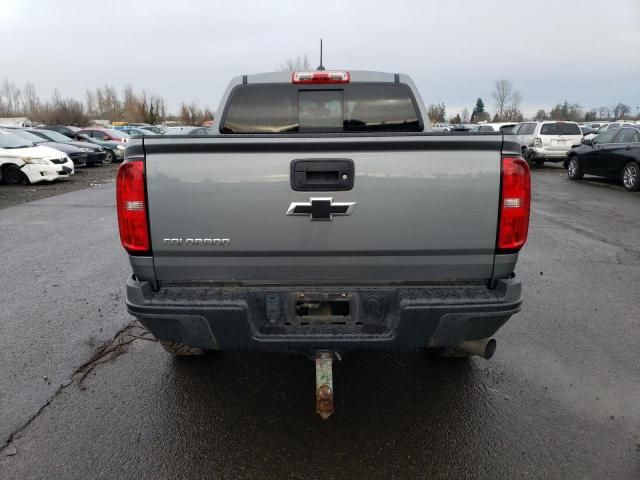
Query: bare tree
x=502 y=95
x=194 y=114
x=301 y=62
x=66 y=111
x=184 y=116
x=591 y=115
x=108 y=104
x=566 y=111
x=31 y=102
x=604 y=113
x=437 y=112
x=90 y=101
x=131 y=104
x=512 y=112
x=465 y=115
x=10 y=99
x=620 y=111
x=540 y=115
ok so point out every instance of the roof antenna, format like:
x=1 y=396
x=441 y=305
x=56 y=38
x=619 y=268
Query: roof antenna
x=320 y=67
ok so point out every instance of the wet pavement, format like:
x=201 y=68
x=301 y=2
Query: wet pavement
x=560 y=399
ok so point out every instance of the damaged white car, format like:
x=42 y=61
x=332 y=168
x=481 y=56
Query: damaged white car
x=22 y=162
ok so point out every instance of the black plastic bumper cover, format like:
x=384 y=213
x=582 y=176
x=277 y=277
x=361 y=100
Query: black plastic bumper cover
x=255 y=318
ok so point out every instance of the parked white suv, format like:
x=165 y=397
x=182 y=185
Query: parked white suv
x=22 y=162
x=524 y=135
x=547 y=141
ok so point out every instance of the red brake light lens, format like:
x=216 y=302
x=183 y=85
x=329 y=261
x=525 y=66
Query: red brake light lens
x=515 y=202
x=132 y=210
x=322 y=76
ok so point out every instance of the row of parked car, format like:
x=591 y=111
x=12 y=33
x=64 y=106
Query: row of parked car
x=606 y=149
x=611 y=150
x=51 y=152
x=33 y=155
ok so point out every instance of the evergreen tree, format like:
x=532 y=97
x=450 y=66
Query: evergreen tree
x=478 y=111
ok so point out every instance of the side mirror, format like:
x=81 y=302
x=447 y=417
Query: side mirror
x=587 y=141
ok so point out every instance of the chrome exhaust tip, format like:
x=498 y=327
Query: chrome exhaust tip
x=483 y=347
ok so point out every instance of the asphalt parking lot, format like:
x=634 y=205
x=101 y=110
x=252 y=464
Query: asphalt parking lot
x=84 y=177
x=85 y=393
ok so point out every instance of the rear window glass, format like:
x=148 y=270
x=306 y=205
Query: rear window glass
x=627 y=135
x=560 y=128
x=278 y=108
x=320 y=110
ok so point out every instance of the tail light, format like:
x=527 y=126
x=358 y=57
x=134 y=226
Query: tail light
x=132 y=208
x=515 y=202
x=537 y=142
x=322 y=76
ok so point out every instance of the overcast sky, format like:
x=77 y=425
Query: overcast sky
x=582 y=51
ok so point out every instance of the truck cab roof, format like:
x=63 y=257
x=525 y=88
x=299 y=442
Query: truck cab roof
x=346 y=79
x=354 y=76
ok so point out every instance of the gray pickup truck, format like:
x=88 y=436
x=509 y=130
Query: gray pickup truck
x=323 y=216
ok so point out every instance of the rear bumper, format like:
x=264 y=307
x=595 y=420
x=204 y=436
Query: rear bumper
x=263 y=318
x=556 y=154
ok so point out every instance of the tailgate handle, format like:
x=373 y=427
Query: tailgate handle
x=321 y=174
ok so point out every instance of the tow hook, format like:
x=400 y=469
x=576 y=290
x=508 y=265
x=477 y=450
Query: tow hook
x=324 y=382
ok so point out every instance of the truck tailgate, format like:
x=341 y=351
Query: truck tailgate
x=426 y=208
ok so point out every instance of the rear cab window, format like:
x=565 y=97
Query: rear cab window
x=290 y=108
x=560 y=128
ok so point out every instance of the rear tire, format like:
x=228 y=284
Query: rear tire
x=528 y=156
x=573 y=169
x=178 y=349
x=631 y=177
x=12 y=175
x=539 y=162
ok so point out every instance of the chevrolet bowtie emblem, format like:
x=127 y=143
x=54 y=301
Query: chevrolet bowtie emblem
x=322 y=208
